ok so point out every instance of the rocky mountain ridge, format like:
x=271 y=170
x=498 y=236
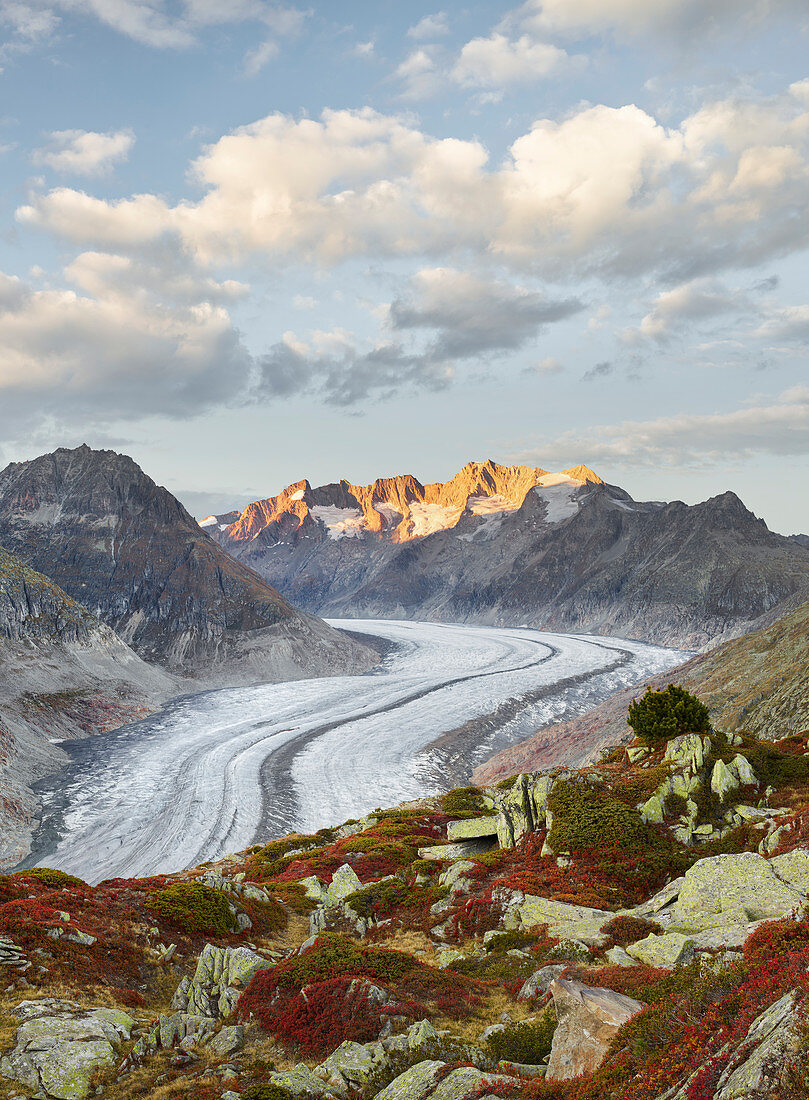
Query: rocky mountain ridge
x=516 y=545
x=126 y=549
x=63 y=675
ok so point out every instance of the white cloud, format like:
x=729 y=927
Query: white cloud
x=257 y=58
x=420 y=74
x=697 y=300
x=74 y=358
x=431 y=26
x=775 y=426
x=152 y=22
x=498 y=61
x=789 y=325
x=604 y=190
x=85 y=152
x=630 y=18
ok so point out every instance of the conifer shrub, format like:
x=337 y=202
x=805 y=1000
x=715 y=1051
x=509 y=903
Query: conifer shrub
x=658 y=716
x=193 y=908
x=528 y=1042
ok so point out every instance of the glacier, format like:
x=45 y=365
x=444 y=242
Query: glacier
x=215 y=772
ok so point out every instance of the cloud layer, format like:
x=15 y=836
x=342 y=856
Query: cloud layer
x=603 y=191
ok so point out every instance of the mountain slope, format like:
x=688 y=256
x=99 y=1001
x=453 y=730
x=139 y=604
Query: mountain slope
x=758 y=683
x=128 y=550
x=505 y=545
x=63 y=674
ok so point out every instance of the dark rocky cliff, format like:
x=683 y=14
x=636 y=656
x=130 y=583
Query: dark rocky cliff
x=128 y=551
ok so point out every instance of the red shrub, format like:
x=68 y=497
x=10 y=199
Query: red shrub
x=321 y=1016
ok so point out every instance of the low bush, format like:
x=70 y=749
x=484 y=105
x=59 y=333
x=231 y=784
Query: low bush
x=319 y=1017
x=258 y=1091
x=528 y=1042
x=625 y=930
x=463 y=802
x=193 y=908
x=50 y=877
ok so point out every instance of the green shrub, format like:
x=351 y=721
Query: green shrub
x=463 y=802
x=267 y=1092
x=658 y=716
x=49 y=877
x=507 y=941
x=528 y=1042
x=194 y=908
x=586 y=818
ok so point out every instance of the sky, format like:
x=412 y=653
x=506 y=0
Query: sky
x=249 y=242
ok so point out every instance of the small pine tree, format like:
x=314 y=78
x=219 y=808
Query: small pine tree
x=660 y=715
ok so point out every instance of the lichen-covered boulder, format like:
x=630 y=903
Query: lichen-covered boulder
x=687 y=752
x=540 y=981
x=59 y=1046
x=471 y=828
x=564 y=921
x=351 y=1066
x=663 y=952
x=415 y=1083
x=775 y=1041
x=730 y=888
x=344 y=882
x=588 y=1019
x=793 y=869
x=301 y=1082
x=470 y=1084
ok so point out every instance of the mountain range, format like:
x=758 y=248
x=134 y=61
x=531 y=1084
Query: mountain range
x=507 y=545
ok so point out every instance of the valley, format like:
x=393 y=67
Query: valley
x=217 y=771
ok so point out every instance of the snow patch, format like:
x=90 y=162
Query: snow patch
x=429 y=518
x=341 y=523
x=298 y=495
x=548 y=480
x=209 y=521
x=486 y=529
x=559 y=499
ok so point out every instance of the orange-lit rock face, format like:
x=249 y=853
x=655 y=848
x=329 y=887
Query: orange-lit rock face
x=400 y=508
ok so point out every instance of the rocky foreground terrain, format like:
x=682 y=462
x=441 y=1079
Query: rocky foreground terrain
x=63 y=675
x=753 y=684
x=505 y=545
x=128 y=551
x=632 y=930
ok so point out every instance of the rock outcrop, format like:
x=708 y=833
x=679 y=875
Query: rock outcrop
x=126 y=549
x=508 y=545
x=63 y=675
x=588 y=1021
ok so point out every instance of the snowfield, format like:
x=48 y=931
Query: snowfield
x=216 y=772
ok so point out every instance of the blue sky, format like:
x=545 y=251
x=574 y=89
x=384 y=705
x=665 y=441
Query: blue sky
x=248 y=242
